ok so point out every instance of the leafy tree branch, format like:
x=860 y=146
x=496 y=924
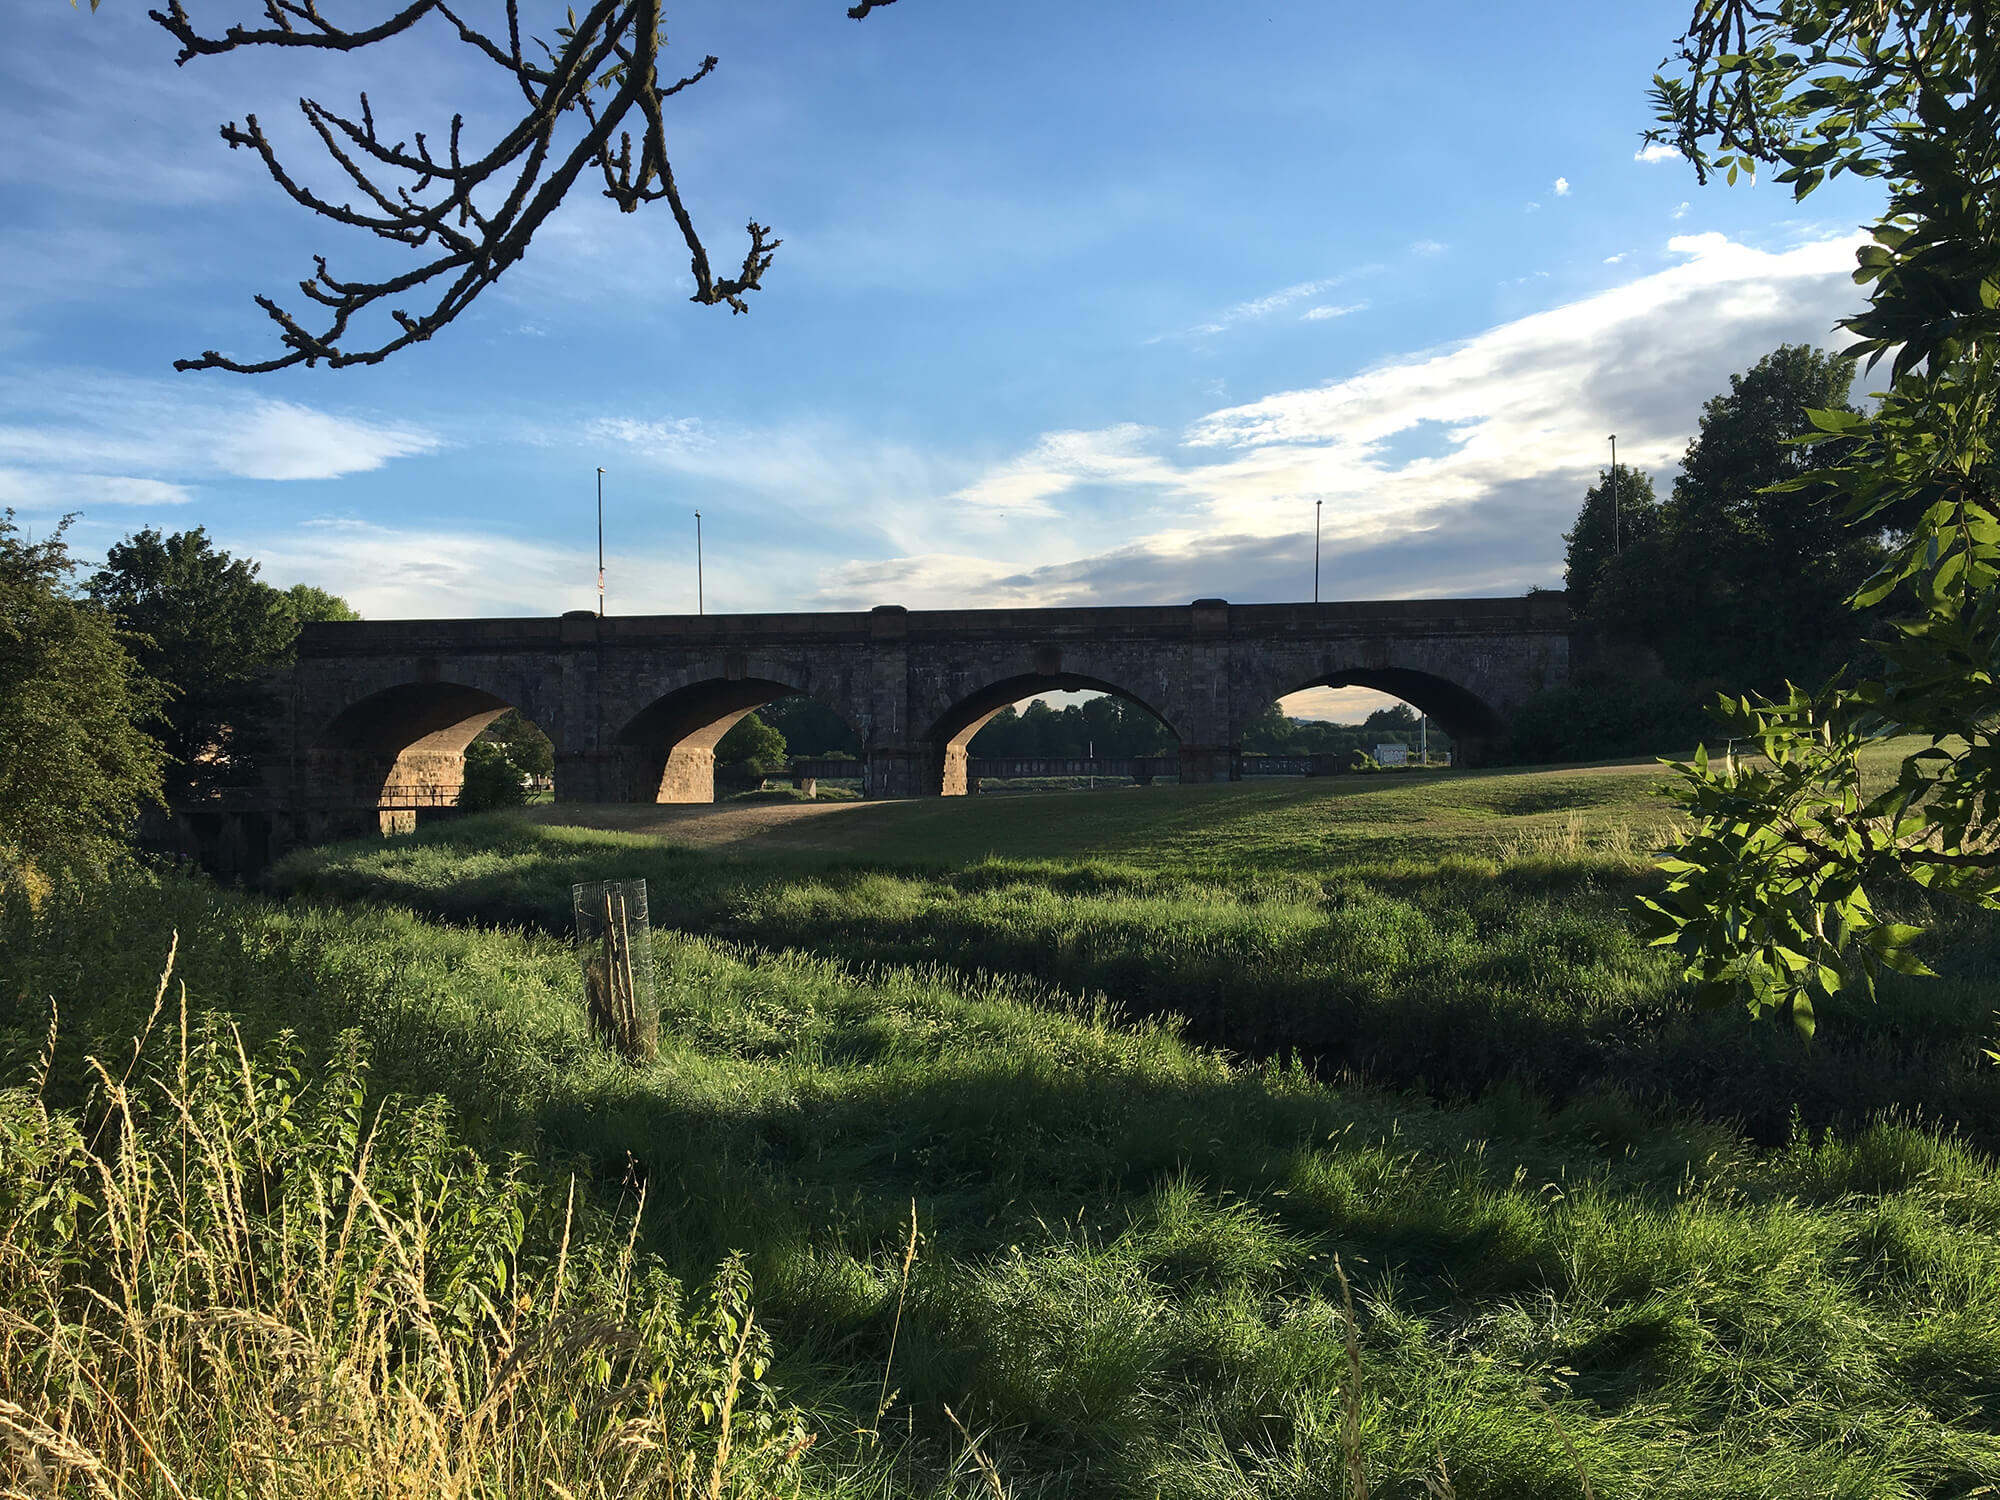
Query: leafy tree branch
x=1775 y=895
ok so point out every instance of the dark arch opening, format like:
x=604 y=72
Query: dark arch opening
x=403 y=749
x=1471 y=723
x=950 y=738
x=667 y=750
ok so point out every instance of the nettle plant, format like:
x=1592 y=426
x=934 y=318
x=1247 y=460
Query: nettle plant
x=1777 y=894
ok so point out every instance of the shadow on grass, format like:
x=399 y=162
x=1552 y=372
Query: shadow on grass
x=1125 y=1267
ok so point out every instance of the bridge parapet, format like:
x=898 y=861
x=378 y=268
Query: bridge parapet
x=379 y=712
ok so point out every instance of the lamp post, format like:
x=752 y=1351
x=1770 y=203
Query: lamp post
x=1316 y=506
x=1616 y=546
x=700 y=604
x=600 y=541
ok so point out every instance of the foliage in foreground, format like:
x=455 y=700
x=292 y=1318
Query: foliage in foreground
x=1124 y=1276
x=76 y=763
x=226 y=1275
x=1777 y=894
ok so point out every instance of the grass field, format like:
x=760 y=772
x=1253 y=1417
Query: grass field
x=1448 y=1074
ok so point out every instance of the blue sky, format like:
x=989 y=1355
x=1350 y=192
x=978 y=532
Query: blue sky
x=1076 y=303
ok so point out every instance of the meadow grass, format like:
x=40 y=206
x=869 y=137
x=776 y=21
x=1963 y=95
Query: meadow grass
x=1508 y=958
x=1129 y=1249
x=222 y=1275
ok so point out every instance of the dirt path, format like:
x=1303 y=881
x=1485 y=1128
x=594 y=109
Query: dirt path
x=771 y=825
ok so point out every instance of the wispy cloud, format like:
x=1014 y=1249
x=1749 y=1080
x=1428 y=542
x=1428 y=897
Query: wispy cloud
x=1525 y=404
x=1329 y=310
x=1258 y=308
x=57 y=490
x=1450 y=470
x=155 y=430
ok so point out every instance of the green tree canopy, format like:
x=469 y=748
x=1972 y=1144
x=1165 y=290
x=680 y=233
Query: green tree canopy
x=750 y=742
x=202 y=623
x=1619 y=511
x=312 y=605
x=1395 y=716
x=521 y=741
x=76 y=762
x=1729 y=580
x=810 y=727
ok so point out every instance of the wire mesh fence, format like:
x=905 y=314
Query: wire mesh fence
x=614 y=942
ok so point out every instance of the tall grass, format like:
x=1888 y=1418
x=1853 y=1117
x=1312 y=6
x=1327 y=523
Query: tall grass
x=1126 y=1279
x=1449 y=975
x=226 y=1275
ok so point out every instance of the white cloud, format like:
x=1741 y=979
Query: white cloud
x=1258 y=308
x=1562 y=187
x=1444 y=471
x=1061 y=462
x=1329 y=310
x=1426 y=247
x=1658 y=151
x=1531 y=207
x=155 y=430
x=1681 y=212
x=283 y=440
x=1522 y=408
x=391 y=573
x=1349 y=705
x=55 y=490
x=1612 y=260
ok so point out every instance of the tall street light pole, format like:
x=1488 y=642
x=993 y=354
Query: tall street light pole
x=700 y=605
x=600 y=542
x=1617 y=546
x=1316 y=505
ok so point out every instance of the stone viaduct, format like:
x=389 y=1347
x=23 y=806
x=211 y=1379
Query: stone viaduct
x=377 y=713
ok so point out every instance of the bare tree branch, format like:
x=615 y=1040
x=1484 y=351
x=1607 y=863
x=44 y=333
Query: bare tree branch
x=473 y=216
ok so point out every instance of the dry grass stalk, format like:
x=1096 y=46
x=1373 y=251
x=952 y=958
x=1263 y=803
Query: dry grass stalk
x=988 y=1470
x=1350 y=1435
x=242 y=1281
x=883 y=1398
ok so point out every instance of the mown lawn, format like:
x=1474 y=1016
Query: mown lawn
x=1465 y=1085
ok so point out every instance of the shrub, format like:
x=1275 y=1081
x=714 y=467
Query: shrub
x=491 y=779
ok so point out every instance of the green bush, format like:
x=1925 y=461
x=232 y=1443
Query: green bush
x=492 y=780
x=1606 y=716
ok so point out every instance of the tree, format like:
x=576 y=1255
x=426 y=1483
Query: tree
x=491 y=779
x=1776 y=896
x=76 y=763
x=204 y=625
x=1397 y=716
x=750 y=742
x=521 y=741
x=1619 y=511
x=1729 y=581
x=311 y=605
x=471 y=215
x=810 y=727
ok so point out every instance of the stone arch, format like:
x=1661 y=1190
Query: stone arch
x=667 y=749
x=1472 y=722
x=403 y=747
x=945 y=742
